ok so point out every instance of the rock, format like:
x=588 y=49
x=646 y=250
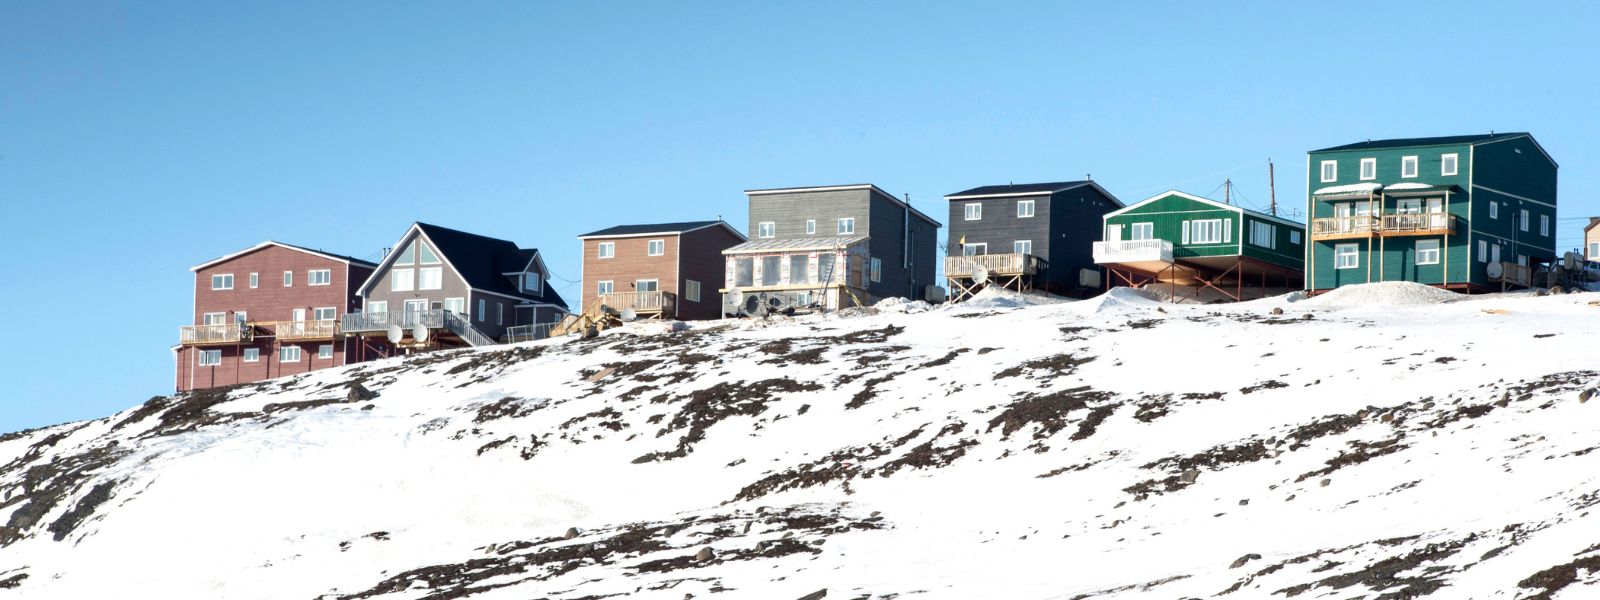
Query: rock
x=573 y=532
x=817 y=595
x=1585 y=395
x=1306 y=316
x=1244 y=559
x=1387 y=417
x=1326 y=482
x=360 y=393
x=1541 y=293
x=1557 y=290
x=1244 y=502
x=1277 y=310
x=705 y=554
x=1190 y=475
x=368 y=407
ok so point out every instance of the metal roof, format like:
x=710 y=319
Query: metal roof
x=1425 y=141
x=655 y=229
x=1019 y=188
x=795 y=244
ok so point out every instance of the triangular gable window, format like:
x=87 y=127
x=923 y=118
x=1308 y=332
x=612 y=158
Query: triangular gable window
x=428 y=257
x=409 y=255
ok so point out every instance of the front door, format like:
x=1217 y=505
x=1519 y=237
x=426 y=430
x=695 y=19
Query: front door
x=416 y=306
x=299 y=315
x=1113 y=233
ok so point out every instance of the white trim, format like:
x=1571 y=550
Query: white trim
x=651 y=244
x=654 y=280
x=1356 y=254
x=255 y=280
x=1322 y=171
x=811 y=226
x=1510 y=195
x=320 y=347
x=288 y=279
x=610 y=286
x=1436 y=252
x=285 y=349
x=842 y=221
x=606 y=250
x=723 y=224
x=1033 y=208
x=691 y=290
x=1456 y=171
x=972 y=211
x=1361 y=172
x=310 y=281
x=317 y=309
x=264 y=245
x=1253 y=214
x=214 y=277
x=483 y=307
x=767 y=230
x=245 y=357
x=440 y=282
x=1016 y=247
x=200 y=357
x=411 y=279
x=1416 y=167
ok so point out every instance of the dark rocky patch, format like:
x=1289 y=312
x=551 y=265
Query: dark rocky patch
x=1360 y=452
x=1055 y=366
x=509 y=407
x=709 y=406
x=1265 y=385
x=1397 y=577
x=870 y=391
x=13 y=582
x=1048 y=414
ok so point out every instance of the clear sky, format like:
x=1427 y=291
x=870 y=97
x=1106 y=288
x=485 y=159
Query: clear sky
x=139 y=139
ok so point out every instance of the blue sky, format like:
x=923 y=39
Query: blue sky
x=139 y=139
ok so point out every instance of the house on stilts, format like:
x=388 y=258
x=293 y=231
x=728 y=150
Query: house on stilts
x=1197 y=249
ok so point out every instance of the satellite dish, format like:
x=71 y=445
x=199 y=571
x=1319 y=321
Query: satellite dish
x=419 y=333
x=396 y=334
x=980 y=274
x=628 y=314
x=1495 y=270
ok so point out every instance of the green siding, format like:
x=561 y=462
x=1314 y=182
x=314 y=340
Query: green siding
x=1168 y=213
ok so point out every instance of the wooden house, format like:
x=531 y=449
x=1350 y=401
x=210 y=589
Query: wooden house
x=1201 y=248
x=829 y=247
x=445 y=288
x=267 y=311
x=1591 y=240
x=1468 y=213
x=660 y=271
x=1025 y=236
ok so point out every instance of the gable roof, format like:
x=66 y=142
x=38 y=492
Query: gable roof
x=1593 y=222
x=328 y=255
x=481 y=261
x=853 y=186
x=1239 y=209
x=659 y=229
x=1030 y=189
x=1427 y=141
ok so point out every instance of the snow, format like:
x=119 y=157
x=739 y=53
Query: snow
x=997 y=297
x=1352 y=188
x=1450 y=434
x=1407 y=186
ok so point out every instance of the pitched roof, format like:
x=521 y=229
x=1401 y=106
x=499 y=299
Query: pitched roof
x=482 y=261
x=804 y=244
x=1233 y=207
x=655 y=228
x=1593 y=222
x=1425 y=141
x=328 y=255
x=1019 y=188
x=854 y=186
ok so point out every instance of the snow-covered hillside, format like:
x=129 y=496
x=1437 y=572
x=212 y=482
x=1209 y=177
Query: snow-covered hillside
x=1350 y=447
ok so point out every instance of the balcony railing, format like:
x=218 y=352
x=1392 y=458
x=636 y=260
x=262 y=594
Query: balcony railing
x=640 y=302
x=1131 y=251
x=408 y=320
x=1385 y=224
x=994 y=264
x=528 y=333
x=1332 y=226
x=226 y=333
x=1514 y=273
x=324 y=329
x=1418 y=223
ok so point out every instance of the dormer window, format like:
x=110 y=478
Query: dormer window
x=532 y=283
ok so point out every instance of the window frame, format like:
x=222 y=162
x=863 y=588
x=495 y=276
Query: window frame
x=1434 y=253
x=325 y=352
x=970 y=245
x=1022 y=246
x=1294 y=237
x=1032 y=209
x=691 y=290
x=1329 y=171
x=200 y=358
x=847 y=225
x=1339 y=254
x=1195 y=228
x=1454 y=160
x=604 y=287
x=1268 y=232
x=250 y=355
x=372 y=304
x=459 y=302
x=217 y=278
x=483 y=309
x=1483 y=251
x=877 y=270
x=1594 y=250
x=1522 y=220
x=255 y=280
x=438 y=282
x=410 y=279
x=1362 y=172
x=1494 y=209
x=1416 y=167
x=606 y=250
x=811 y=226
x=972 y=211
x=312 y=276
x=285 y=351
x=1544 y=225
x=288 y=279
x=332 y=311
x=655 y=247
x=766 y=230
x=1149 y=229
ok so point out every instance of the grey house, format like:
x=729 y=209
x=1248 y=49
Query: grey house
x=1025 y=236
x=444 y=288
x=829 y=247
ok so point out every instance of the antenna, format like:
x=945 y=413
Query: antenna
x=1088 y=176
x=1227 y=192
x=1272 y=189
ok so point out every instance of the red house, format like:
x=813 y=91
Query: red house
x=267 y=311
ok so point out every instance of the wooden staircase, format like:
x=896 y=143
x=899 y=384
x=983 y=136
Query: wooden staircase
x=595 y=318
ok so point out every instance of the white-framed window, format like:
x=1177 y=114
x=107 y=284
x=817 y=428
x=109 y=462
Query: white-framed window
x=1025 y=209
x=877 y=269
x=214 y=318
x=811 y=226
x=430 y=278
x=1346 y=256
x=1142 y=231
x=605 y=287
x=255 y=280
x=608 y=250
x=1522 y=221
x=1544 y=225
x=1483 y=251
x=655 y=247
x=456 y=305
x=425 y=255
x=499 y=313
x=1264 y=234
x=1449 y=164
x=1494 y=253
x=1594 y=250
x=1494 y=209
x=252 y=355
x=1206 y=231
x=402 y=280
x=288 y=279
x=1294 y=237
x=691 y=290
x=409 y=255
x=766 y=229
x=847 y=226
x=1427 y=252
x=241 y=317
x=222 y=282
x=533 y=282
x=1330 y=171
x=210 y=358
x=974 y=211
x=324 y=313
x=289 y=354
x=1022 y=247
x=325 y=351
x=1408 y=166
x=974 y=249
x=483 y=309
x=1522 y=259
x=647 y=285
x=319 y=277
x=378 y=307
x=1369 y=169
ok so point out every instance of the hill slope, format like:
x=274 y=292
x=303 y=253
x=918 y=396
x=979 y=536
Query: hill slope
x=1107 y=449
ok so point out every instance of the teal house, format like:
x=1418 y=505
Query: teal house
x=1198 y=248
x=1470 y=213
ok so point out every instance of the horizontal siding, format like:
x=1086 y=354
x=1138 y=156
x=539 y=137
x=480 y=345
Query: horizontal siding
x=1168 y=215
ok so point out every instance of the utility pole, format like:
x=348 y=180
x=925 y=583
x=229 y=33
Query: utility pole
x=1227 y=192
x=1272 y=188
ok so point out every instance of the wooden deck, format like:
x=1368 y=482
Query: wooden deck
x=212 y=335
x=301 y=331
x=1365 y=226
x=642 y=303
x=962 y=267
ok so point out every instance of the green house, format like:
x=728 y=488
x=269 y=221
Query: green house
x=1201 y=246
x=1471 y=213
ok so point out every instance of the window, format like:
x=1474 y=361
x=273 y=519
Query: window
x=771 y=270
x=608 y=249
x=1408 y=206
x=1594 y=251
x=1522 y=259
x=289 y=354
x=1330 y=171
x=222 y=282
x=1208 y=231
x=240 y=317
x=255 y=280
x=691 y=290
x=499 y=313
x=799 y=269
x=252 y=355
x=1494 y=253
x=1544 y=225
x=647 y=285
x=825 y=264
x=326 y=313
x=210 y=358
x=656 y=247
x=1263 y=234
x=1022 y=247
x=877 y=269
x=426 y=255
x=977 y=249
x=1143 y=231
x=378 y=307
x=1494 y=209
x=430 y=278
x=456 y=305
x=1294 y=237
x=533 y=282
x=483 y=309
x=1522 y=222
x=325 y=351
x=847 y=226
x=1428 y=252
x=811 y=227
x=288 y=279
x=766 y=229
x=605 y=287
x=974 y=211
x=744 y=272
x=402 y=280
x=1448 y=164
x=1369 y=168
x=1024 y=209
x=1483 y=251
x=1408 y=166
x=409 y=255
x=1345 y=257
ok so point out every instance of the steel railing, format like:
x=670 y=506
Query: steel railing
x=528 y=333
x=408 y=320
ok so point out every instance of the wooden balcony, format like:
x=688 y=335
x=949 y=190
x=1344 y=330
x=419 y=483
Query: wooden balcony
x=1336 y=228
x=993 y=264
x=642 y=303
x=212 y=335
x=1418 y=224
x=1388 y=224
x=1514 y=274
x=301 y=331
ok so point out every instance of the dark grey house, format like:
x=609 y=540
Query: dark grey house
x=1025 y=236
x=831 y=247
